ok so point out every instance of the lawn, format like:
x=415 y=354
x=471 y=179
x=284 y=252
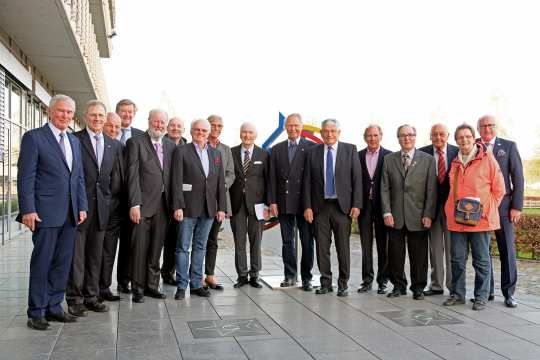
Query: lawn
x=533 y=211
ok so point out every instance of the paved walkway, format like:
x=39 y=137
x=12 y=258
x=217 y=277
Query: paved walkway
x=272 y=324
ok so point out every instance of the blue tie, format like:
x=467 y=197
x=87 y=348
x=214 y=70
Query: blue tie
x=329 y=191
x=292 y=150
x=99 y=150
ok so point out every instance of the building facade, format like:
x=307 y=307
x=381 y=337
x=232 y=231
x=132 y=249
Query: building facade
x=46 y=47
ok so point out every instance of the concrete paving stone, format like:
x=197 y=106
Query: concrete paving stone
x=9 y=312
x=274 y=349
x=76 y=342
x=84 y=354
x=356 y=355
x=328 y=344
x=514 y=349
x=527 y=332
x=26 y=348
x=168 y=352
x=231 y=300
x=530 y=316
x=146 y=325
x=210 y=351
x=146 y=338
x=465 y=351
x=143 y=311
x=20 y=331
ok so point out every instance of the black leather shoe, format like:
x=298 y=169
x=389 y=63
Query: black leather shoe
x=96 y=307
x=287 y=283
x=382 y=289
x=155 y=294
x=138 y=297
x=419 y=295
x=180 y=294
x=241 y=282
x=306 y=286
x=255 y=282
x=108 y=296
x=432 y=292
x=365 y=288
x=324 y=290
x=215 y=286
x=78 y=310
x=396 y=292
x=61 y=317
x=124 y=288
x=342 y=292
x=37 y=324
x=510 y=302
x=202 y=292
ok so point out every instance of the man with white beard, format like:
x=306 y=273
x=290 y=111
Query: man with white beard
x=148 y=178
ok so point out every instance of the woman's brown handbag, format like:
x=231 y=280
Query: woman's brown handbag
x=467 y=211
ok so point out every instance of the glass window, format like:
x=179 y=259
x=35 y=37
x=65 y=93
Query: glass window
x=16 y=105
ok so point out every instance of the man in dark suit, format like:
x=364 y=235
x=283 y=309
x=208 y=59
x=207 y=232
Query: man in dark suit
x=127 y=110
x=408 y=199
x=286 y=180
x=175 y=130
x=111 y=128
x=507 y=155
x=148 y=181
x=52 y=202
x=439 y=236
x=198 y=186
x=332 y=198
x=371 y=160
x=248 y=191
x=216 y=126
x=99 y=153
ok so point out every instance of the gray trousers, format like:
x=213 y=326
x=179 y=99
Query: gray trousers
x=245 y=226
x=439 y=253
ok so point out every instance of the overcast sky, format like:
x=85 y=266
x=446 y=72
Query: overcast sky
x=389 y=62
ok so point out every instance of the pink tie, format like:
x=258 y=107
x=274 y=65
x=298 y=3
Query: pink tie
x=159 y=153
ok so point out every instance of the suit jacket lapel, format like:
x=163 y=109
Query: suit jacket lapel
x=107 y=153
x=166 y=156
x=198 y=159
x=87 y=143
x=399 y=163
x=152 y=150
x=378 y=167
x=52 y=139
x=321 y=163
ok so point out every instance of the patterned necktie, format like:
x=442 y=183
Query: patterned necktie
x=159 y=153
x=247 y=162
x=292 y=150
x=62 y=145
x=441 y=168
x=406 y=161
x=123 y=138
x=99 y=150
x=329 y=190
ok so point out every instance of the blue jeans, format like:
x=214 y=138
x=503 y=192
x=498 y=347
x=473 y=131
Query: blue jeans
x=191 y=232
x=482 y=266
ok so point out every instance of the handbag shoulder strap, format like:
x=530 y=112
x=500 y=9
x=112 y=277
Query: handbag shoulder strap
x=456 y=173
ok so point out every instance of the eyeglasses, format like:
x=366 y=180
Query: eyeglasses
x=485 y=126
x=403 y=136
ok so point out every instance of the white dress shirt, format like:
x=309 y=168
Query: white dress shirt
x=67 y=144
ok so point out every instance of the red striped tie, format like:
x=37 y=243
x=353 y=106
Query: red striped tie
x=441 y=168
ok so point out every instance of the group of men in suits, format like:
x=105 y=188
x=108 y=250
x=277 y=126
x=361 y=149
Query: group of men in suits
x=81 y=194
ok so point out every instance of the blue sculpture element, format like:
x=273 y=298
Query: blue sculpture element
x=281 y=126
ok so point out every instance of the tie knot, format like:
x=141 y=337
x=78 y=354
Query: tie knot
x=405 y=155
x=330 y=147
x=439 y=151
x=97 y=137
x=62 y=134
x=123 y=130
x=246 y=152
x=292 y=143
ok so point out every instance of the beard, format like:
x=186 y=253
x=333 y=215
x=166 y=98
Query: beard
x=155 y=134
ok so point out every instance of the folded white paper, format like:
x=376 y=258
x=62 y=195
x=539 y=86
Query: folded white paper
x=259 y=211
x=187 y=187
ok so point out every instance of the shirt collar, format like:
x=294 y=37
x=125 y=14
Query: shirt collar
x=93 y=134
x=250 y=149
x=373 y=152
x=436 y=151
x=410 y=152
x=296 y=142
x=56 y=131
x=334 y=147
x=198 y=148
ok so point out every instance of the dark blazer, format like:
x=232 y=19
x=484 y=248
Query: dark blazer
x=372 y=183
x=444 y=188
x=146 y=180
x=507 y=155
x=347 y=178
x=98 y=181
x=412 y=196
x=286 y=179
x=254 y=184
x=44 y=182
x=136 y=132
x=207 y=195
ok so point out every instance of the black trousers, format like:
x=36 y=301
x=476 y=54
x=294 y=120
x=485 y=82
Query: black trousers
x=83 y=283
x=110 y=244
x=330 y=220
x=288 y=249
x=168 y=268
x=371 y=220
x=417 y=245
x=212 y=248
x=123 y=269
x=147 y=241
x=244 y=225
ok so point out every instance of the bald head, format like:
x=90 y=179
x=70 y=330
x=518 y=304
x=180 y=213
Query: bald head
x=112 y=125
x=439 y=136
x=175 y=129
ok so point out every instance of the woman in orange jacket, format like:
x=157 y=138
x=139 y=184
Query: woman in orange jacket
x=475 y=180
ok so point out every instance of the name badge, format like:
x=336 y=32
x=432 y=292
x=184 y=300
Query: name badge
x=187 y=187
x=257 y=162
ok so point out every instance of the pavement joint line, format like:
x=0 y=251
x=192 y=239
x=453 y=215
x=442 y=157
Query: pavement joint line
x=117 y=328
x=285 y=331
x=174 y=331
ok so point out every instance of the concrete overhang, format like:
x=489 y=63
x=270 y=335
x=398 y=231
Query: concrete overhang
x=101 y=19
x=44 y=33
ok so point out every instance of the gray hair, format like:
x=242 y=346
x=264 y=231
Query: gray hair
x=464 y=126
x=112 y=116
x=248 y=126
x=296 y=115
x=175 y=118
x=485 y=117
x=94 y=103
x=161 y=112
x=330 y=122
x=373 y=126
x=441 y=125
x=213 y=118
x=205 y=122
x=403 y=126
x=61 y=97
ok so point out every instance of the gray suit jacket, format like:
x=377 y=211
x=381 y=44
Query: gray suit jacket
x=228 y=168
x=412 y=196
